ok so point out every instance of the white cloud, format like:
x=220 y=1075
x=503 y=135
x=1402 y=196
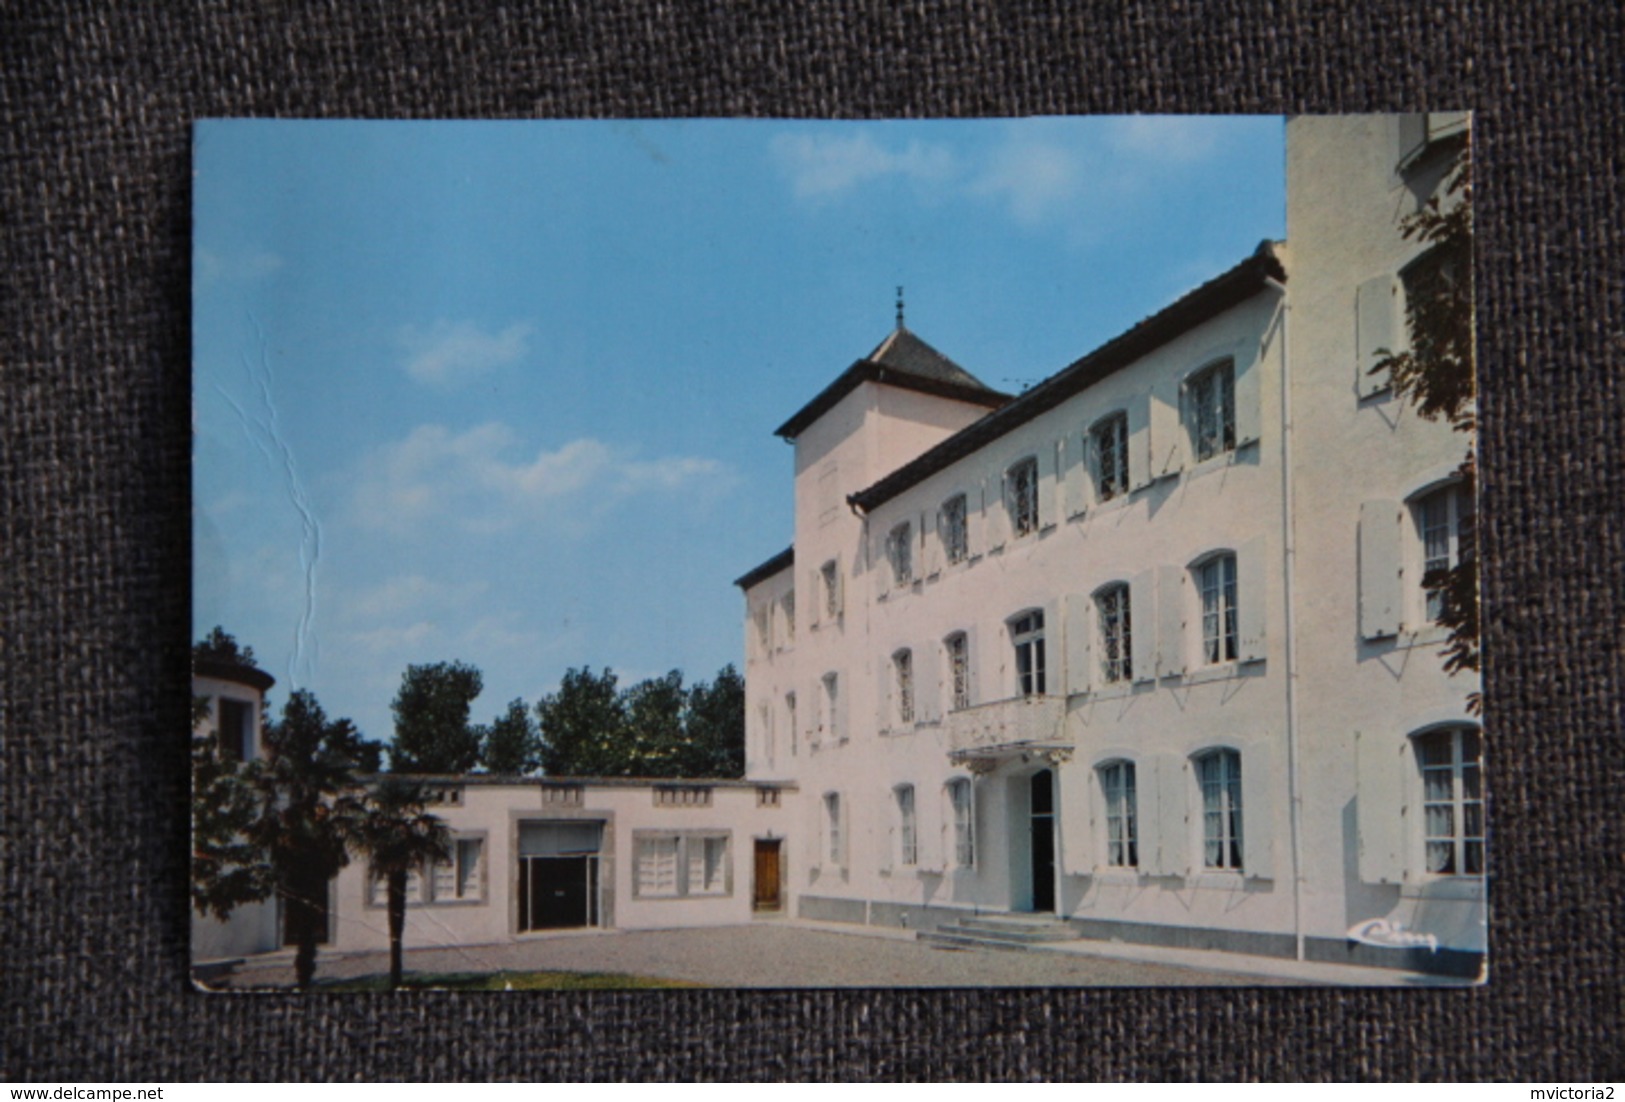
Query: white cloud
x=1179 y=138
x=411 y=593
x=211 y=267
x=821 y=166
x=1036 y=178
x=473 y=481
x=451 y=352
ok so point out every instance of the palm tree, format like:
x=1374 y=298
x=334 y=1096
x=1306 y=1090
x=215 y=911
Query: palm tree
x=398 y=835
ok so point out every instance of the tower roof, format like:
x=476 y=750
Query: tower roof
x=901 y=360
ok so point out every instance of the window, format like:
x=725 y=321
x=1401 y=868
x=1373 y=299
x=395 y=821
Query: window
x=1110 y=439
x=682 y=795
x=959 y=669
x=1452 y=801
x=236 y=739
x=903 y=666
x=1022 y=497
x=1443 y=528
x=1217 y=580
x=759 y=618
x=1027 y=632
x=787 y=617
x=831 y=574
x=908 y=847
x=1116 y=644
x=960 y=800
x=1122 y=839
x=832 y=827
x=458 y=877
x=1219 y=774
x=378 y=888
x=673 y=866
x=1211 y=396
x=900 y=553
x=832 y=700
x=952 y=530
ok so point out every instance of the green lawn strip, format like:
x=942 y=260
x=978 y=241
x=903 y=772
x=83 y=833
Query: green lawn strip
x=506 y=981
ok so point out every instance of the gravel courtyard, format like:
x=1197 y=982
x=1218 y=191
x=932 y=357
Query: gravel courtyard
x=761 y=955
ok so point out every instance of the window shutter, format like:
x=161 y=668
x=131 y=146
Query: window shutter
x=1147 y=812
x=1167 y=434
x=929 y=664
x=1173 y=816
x=1171 y=603
x=840 y=588
x=846 y=820
x=1379 y=317
x=1139 y=443
x=1249 y=397
x=1078 y=625
x=931 y=543
x=1054 y=649
x=996 y=508
x=973 y=658
x=880 y=564
x=1381 y=820
x=889 y=854
x=1381 y=574
x=1048 y=496
x=1075 y=803
x=1142 y=610
x=885 y=694
x=1252 y=589
x=1079 y=475
x=843 y=693
x=975 y=523
x=1258 y=780
x=928 y=831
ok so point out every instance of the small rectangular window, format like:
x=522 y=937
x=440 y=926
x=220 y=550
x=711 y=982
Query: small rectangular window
x=832 y=588
x=903 y=663
x=900 y=553
x=832 y=705
x=1116 y=643
x=1111 y=457
x=1217 y=579
x=1211 y=407
x=959 y=670
x=1452 y=802
x=236 y=729
x=951 y=529
x=1220 y=776
x=960 y=799
x=1027 y=633
x=1022 y=497
x=908 y=852
x=832 y=827
x=1117 y=783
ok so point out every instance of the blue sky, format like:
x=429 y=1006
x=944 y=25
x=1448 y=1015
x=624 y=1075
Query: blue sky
x=504 y=392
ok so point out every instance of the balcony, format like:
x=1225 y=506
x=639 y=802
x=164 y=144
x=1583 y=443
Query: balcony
x=989 y=732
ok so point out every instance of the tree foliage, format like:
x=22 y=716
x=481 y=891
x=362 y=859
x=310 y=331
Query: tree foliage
x=432 y=732
x=1438 y=375
x=656 y=728
x=305 y=787
x=395 y=832
x=219 y=646
x=228 y=869
x=509 y=746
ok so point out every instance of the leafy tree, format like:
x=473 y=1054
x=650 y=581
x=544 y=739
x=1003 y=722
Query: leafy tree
x=219 y=646
x=581 y=725
x=432 y=732
x=306 y=806
x=228 y=869
x=652 y=742
x=510 y=745
x=1438 y=375
x=395 y=832
x=715 y=726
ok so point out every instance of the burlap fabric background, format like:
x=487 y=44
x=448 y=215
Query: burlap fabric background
x=94 y=627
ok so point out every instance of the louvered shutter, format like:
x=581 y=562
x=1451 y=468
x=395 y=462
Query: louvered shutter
x=1252 y=588
x=1259 y=779
x=1167 y=433
x=996 y=510
x=888 y=854
x=885 y=695
x=1048 y=499
x=1382 y=766
x=1139 y=442
x=1171 y=604
x=1076 y=805
x=975 y=522
x=1079 y=474
x=1173 y=816
x=1379 y=324
x=931 y=543
x=1078 y=627
x=1142 y=607
x=1381 y=572
x=929 y=663
x=1249 y=399
x=973 y=661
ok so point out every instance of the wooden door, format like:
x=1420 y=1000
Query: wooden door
x=766 y=896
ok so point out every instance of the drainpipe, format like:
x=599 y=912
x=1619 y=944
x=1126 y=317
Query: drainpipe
x=1289 y=571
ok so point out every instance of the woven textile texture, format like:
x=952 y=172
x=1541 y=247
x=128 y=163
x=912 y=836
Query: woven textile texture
x=94 y=625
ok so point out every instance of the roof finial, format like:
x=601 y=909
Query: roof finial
x=899 y=307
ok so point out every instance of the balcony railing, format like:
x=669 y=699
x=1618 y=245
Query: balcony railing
x=1023 y=721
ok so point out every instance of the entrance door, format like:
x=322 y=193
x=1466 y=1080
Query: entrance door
x=766 y=897
x=556 y=892
x=1043 y=835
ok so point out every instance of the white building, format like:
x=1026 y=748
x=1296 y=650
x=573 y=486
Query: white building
x=1144 y=648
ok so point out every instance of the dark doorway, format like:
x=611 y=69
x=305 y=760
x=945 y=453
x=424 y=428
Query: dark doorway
x=766 y=896
x=557 y=893
x=1043 y=833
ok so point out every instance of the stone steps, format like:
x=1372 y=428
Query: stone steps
x=998 y=932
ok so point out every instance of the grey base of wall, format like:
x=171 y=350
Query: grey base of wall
x=1457 y=963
